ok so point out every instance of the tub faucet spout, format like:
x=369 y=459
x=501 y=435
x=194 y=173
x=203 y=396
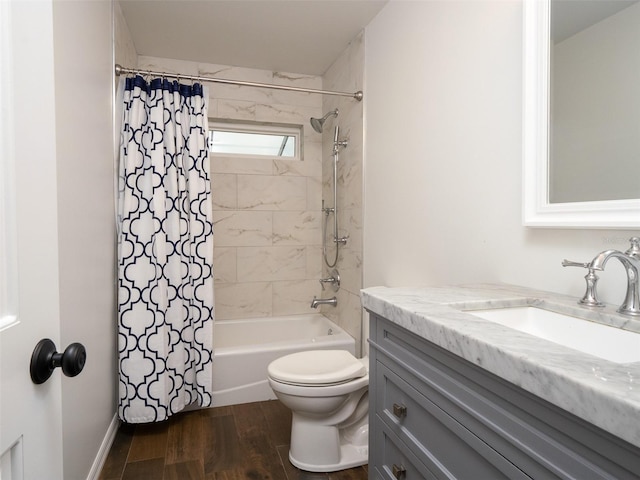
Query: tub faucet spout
x=316 y=302
x=631 y=262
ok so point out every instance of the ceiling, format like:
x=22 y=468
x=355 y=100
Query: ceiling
x=296 y=36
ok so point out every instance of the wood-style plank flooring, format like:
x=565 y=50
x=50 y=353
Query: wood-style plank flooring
x=249 y=441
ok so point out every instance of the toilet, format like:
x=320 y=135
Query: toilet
x=327 y=392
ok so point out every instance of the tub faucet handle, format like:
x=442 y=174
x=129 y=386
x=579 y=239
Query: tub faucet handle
x=333 y=279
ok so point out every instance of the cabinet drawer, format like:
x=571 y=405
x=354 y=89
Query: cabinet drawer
x=395 y=461
x=446 y=447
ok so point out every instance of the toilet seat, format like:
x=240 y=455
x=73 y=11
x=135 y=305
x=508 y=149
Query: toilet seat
x=317 y=368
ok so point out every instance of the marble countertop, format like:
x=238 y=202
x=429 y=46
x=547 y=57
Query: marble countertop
x=601 y=392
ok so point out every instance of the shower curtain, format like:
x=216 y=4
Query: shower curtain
x=165 y=250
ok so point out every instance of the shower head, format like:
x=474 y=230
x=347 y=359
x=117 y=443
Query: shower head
x=317 y=123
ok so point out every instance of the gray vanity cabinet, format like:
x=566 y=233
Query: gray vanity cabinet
x=435 y=415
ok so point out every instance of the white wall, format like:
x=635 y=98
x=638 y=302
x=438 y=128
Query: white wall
x=443 y=156
x=83 y=88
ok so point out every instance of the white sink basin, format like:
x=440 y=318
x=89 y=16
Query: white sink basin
x=609 y=343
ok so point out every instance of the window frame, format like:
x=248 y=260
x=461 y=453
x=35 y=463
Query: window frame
x=260 y=128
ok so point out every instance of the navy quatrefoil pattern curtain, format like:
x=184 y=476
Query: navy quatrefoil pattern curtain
x=165 y=250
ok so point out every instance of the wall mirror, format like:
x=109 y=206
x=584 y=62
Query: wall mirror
x=581 y=137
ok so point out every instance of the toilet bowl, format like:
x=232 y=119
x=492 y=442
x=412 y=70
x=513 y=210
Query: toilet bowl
x=327 y=392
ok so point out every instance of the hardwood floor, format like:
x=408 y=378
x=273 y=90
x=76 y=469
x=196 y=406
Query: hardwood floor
x=249 y=441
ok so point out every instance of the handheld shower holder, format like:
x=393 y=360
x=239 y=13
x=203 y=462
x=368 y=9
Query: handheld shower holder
x=328 y=210
x=341 y=240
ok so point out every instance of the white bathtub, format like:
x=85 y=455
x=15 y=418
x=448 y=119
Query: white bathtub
x=244 y=348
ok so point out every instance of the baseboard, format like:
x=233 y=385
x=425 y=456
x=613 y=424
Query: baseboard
x=101 y=457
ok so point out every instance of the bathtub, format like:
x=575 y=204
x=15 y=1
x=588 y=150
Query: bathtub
x=244 y=348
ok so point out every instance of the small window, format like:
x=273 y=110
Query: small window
x=268 y=140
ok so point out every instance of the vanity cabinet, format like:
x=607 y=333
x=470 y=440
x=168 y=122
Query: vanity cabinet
x=435 y=415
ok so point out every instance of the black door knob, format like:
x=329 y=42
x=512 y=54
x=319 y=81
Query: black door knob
x=45 y=359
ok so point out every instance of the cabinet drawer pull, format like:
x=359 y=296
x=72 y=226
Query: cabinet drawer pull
x=398 y=471
x=399 y=410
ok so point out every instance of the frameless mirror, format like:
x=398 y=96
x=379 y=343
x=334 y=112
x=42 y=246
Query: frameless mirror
x=581 y=113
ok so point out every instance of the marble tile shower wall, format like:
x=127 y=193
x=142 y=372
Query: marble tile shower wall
x=267 y=213
x=346 y=74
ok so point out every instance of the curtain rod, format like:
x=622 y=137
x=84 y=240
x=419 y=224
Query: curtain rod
x=120 y=70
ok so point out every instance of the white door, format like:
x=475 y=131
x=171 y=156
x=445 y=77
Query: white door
x=30 y=415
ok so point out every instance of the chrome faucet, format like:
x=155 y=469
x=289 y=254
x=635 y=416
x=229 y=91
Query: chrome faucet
x=316 y=302
x=631 y=262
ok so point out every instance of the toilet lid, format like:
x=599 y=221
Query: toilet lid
x=317 y=367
